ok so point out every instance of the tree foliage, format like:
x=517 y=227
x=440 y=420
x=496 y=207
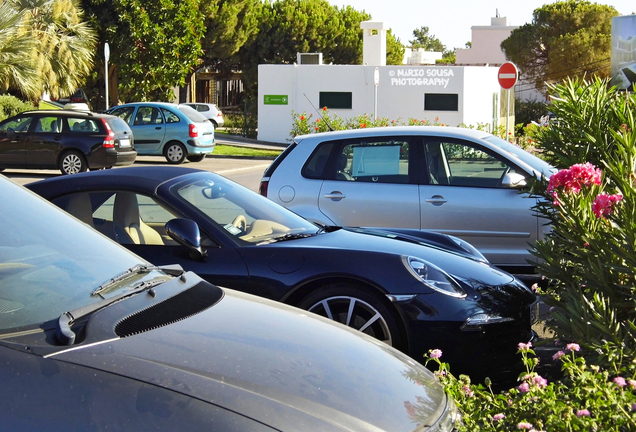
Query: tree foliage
x=17 y=54
x=423 y=39
x=570 y=38
x=154 y=45
x=229 y=24
x=48 y=44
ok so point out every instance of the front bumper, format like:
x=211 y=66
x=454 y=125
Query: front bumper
x=438 y=322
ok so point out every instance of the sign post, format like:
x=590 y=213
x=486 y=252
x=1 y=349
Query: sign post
x=507 y=77
x=106 y=58
x=376 y=81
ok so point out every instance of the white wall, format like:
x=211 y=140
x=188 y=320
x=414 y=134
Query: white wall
x=400 y=93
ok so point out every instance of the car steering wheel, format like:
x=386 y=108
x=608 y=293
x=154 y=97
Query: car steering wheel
x=240 y=222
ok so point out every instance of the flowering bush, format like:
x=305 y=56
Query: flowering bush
x=587 y=398
x=590 y=255
x=303 y=124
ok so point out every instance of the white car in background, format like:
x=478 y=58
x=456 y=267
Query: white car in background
x=456 y=181
x=209 y=111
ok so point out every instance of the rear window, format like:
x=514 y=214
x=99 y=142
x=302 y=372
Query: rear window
x=281 y=157
x=77 y=124
x=192 y=114
x=118 y=125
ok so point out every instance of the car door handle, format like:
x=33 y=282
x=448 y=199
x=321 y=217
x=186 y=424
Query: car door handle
x=158 y=127
x=436 y=200
x=335 y=196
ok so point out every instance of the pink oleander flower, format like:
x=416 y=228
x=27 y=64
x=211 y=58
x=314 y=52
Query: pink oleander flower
x=524 y=425
x=524 y=387
x=582 y=413
x=436 y=353
x=620 y=381
x=498 y=417
x=573 y=179
x=573 y=347
x=558 y=355
x=632 y=384
x=604 y=204
x=634 y=407
x=524 y=346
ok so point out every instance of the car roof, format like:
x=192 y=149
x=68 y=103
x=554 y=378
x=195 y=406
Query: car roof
x=140 y=178
x=396 y=130
x=68 y=112
x=160 y=104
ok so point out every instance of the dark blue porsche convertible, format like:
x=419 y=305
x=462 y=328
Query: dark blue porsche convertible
x=415 y=291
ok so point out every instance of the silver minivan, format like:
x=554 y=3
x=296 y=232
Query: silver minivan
x=457 y=181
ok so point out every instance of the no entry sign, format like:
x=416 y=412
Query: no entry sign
x=507 y=75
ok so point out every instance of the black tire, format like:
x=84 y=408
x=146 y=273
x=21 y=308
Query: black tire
x=72 y=162
x=214 y=124
x=196 y=158
x=175 y=153
x=333 y=302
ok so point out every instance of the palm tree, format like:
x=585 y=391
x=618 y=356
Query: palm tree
x=65 y=43
x=17 y=54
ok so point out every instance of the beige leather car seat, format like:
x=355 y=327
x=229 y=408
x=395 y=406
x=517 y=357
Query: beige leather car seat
x=79 y=205
x=129 y=228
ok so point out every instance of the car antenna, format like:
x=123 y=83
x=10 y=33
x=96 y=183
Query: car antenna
x=319 y=113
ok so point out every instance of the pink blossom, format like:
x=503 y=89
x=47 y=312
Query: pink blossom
x=498 y=417
x=634 y=407
x=573 y=347
x=436 y=353
x=582 y=413
x=524 y=425
x=539 y=381
x=524 y=387
x=524 y=346
x=468 y=391
x=604 y=204
x=558 y=355
x=573 y=179
x=632 y=384
x=620 y=381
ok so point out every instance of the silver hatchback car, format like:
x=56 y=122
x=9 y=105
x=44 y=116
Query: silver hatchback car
x=456 y=181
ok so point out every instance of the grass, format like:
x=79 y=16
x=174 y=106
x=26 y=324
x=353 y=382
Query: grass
x=227 y=150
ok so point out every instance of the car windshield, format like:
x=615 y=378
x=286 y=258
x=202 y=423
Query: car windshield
x=245 y=215
x=192 y=114
x=50 y=262
x=538 y=164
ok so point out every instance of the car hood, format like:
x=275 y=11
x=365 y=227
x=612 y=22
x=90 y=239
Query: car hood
x=278 y=365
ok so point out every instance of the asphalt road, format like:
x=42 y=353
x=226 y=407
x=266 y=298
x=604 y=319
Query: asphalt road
x=245 y=171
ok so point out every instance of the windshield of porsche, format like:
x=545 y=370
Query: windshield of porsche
x=50 y=262
x=243 y=214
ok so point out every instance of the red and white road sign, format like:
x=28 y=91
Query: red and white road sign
x=507 y=75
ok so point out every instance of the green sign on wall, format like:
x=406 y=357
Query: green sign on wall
x=276 y=99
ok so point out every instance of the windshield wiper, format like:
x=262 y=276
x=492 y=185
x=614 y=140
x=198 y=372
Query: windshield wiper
x=63 y=330
x=173 y=270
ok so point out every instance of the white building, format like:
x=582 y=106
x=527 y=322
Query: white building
x=452 y=95
x=486 y=50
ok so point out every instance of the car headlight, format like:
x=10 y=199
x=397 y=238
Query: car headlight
x=433 y=276
x=478 y=320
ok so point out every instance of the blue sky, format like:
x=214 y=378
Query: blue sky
x=450 y=20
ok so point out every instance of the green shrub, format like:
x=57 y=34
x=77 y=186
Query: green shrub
x=11 y=105
x=587 y=398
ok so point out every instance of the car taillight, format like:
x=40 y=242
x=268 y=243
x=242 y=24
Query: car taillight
x=219 y=114
x=109 y=141
x=194 y=132
x=263 y=187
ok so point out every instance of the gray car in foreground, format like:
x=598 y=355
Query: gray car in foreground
x=456 y=181
x=92 y=337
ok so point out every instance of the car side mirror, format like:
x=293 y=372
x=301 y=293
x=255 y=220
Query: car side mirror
x=186 y=233
x=513 y=180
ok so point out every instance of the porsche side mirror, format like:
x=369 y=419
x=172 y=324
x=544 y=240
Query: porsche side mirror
x=186 y=233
